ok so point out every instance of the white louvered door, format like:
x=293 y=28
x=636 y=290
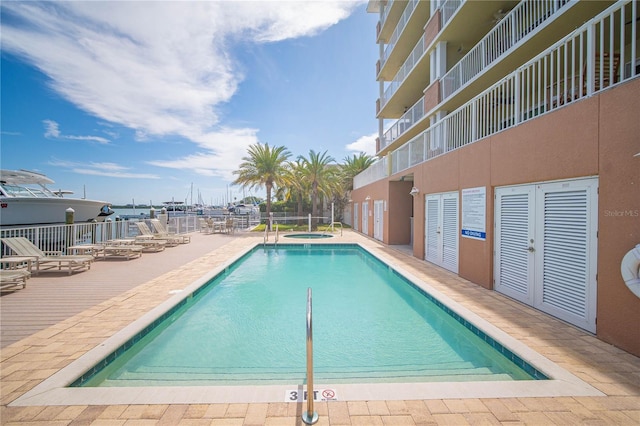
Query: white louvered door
x=441 y=230
x=566 y=261
x=432 y=229
x=378 y=219
x=513 y=271
x=365 y=218
x=546 y=242
x=450 y=231
x=356 y=219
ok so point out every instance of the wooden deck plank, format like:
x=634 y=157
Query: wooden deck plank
x=52 y=297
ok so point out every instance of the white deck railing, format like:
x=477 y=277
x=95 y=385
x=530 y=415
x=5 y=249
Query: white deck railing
x=60 y=237
x=587 y=61
x=515 y=26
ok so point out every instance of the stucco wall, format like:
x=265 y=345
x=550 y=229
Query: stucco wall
x=593 y=137
x=618 y=214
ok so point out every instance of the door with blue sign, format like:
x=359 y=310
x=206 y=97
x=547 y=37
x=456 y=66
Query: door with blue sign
x=545 y=247
x=441 y=230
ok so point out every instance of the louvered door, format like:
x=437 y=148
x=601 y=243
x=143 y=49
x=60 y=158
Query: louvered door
x=545 y=248
x=432 y=229
x=356 y=219
x=450 y=231
x=365 y=218
x=441 y=230
x=513 y=271
x=566 y=258
x=378 y=219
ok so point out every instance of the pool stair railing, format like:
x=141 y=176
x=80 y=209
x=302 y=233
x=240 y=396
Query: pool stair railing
x=332 y=227
x=310 y=416
x=266 y=235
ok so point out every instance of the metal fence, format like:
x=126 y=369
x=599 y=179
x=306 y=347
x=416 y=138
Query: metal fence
x=57 y=238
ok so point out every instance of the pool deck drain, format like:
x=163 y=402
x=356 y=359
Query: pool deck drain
x=28 y=362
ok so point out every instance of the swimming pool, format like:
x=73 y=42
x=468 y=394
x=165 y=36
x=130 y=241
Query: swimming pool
x=55 y=390
x=371 y=325
x=308 y=236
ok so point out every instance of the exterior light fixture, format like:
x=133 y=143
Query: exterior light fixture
x=414 y=191
x=367 y=198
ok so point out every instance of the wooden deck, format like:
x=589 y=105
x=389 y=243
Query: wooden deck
x=53 y=296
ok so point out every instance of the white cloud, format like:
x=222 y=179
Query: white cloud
x=366 y=144
x=52 y=130
x=159 y=68
x=102 y=169
x=220 y=154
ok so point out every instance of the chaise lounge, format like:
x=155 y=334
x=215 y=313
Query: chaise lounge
x=171 y=241
x=163 y=232
x=47 y=260
x=13 y=277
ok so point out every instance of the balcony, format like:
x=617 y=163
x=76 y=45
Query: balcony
x=408 y=29
x=494 y=51
x=413 y=59
x=526 y=17
x=600 y=54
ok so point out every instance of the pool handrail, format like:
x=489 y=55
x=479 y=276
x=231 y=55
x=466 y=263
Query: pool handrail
x=332 y=228
x=266 y=235
x=309 y=417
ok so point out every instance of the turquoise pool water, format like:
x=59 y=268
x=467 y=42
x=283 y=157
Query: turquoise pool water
x=248 y=326
x=308 y=236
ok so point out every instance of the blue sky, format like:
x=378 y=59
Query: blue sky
x=144 y=100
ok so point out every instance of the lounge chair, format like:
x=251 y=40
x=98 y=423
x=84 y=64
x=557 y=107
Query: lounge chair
x=230 y=226
x=205 y=226
x=162 y=231
x=13 y=277
x=48 y=260
x=170 y=241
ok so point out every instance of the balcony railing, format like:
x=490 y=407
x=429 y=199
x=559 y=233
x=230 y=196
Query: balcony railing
x=385 y=13
x=527 y=15
x=411 y=5
x=408 y=119
x=596 y=56
x=516 y=25
x=415 y=56
x=448 y=9
x=375 y=172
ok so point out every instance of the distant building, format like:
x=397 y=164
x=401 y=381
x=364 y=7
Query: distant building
x=509 y=150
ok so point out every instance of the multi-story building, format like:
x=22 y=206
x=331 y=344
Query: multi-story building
x=509 y=151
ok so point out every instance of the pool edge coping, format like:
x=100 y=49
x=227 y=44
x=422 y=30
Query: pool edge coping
x=55 y=391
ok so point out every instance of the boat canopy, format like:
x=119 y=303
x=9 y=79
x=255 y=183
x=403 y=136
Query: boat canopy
x=23 y=177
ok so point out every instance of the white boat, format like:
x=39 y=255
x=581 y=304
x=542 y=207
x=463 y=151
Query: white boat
x=26 y=200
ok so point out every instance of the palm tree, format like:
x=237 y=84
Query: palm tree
x=263 y=166
x=353 y=166
x=296 y=185
x=320 y=175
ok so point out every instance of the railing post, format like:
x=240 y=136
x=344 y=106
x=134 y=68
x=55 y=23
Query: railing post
x=310 y=416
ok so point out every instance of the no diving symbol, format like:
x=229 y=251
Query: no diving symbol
x=328 y=395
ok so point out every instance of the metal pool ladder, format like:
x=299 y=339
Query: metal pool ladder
x=309 y=417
